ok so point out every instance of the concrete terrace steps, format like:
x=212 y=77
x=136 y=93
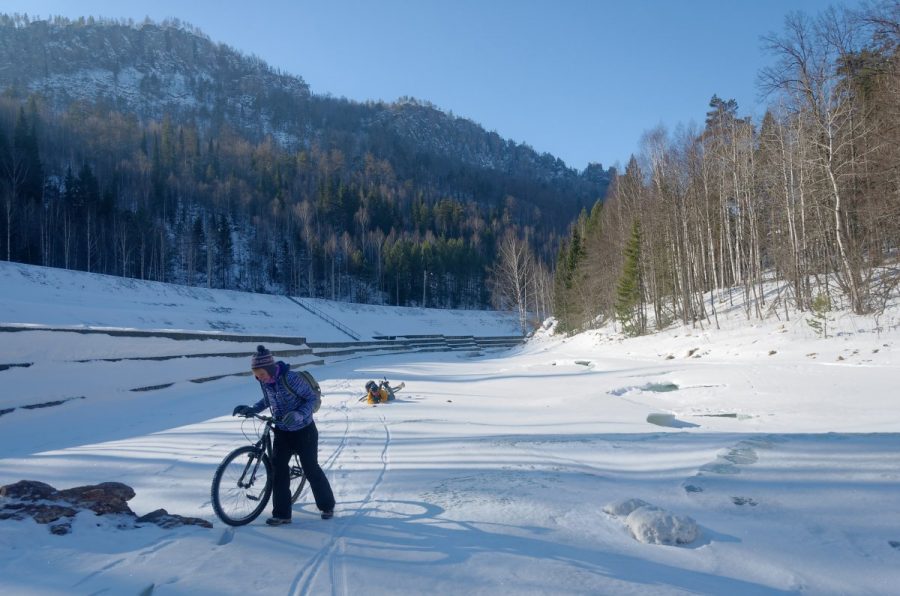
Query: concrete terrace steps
x=393 y=337
x=414 y=343
x=246 y=373
x=316 y=362
x=164 y=333
x=247 y=354
x=312 y=353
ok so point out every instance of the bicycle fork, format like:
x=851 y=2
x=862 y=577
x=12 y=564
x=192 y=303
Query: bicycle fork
x=252 y=466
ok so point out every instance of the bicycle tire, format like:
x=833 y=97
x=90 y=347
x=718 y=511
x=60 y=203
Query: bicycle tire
x=239 y=505
x=298 y=479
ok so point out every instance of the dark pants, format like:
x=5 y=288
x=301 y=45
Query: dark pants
x=305 y=443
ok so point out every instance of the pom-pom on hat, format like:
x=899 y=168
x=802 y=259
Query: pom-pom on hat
x=262 y=359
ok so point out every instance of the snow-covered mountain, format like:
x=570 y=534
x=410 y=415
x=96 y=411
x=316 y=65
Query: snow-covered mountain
x=153 y=70
x=149 y=70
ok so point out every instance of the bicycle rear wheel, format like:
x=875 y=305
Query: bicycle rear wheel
x=241 y=486
x=298 y=479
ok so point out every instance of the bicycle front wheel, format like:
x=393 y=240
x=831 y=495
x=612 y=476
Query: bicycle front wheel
x=241 y=486
x=298 y=479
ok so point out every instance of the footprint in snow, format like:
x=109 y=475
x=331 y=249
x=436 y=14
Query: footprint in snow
x=227 y=537
x=740 y=501
x=718 y=467
x=741 y=455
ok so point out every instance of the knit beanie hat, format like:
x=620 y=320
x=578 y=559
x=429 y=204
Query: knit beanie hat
x=262 y=359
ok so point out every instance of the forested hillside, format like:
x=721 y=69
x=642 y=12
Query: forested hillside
x=811 y=194
x=149 y=151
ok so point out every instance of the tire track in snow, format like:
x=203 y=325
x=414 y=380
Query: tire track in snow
x=130 y=559
x=332 y=551
x=329 y=462
x=345 y=410
x=94 y=574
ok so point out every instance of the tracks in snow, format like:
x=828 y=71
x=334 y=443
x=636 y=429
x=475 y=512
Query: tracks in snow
x=328 y=558
x=332 y=552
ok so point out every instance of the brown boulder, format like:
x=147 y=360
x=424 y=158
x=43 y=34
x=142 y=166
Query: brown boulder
x=106 y=497
x=103 y=498
x=28 y=490
x=45 y=514
x=42 y=514
x=164 y=519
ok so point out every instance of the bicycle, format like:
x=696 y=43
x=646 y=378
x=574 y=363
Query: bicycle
x=242 y=484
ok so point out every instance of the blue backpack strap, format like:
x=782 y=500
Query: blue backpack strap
x=283 y=379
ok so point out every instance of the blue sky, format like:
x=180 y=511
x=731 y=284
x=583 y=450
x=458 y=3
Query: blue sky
x=580 y=79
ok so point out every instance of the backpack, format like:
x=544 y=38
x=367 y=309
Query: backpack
x=311 y=381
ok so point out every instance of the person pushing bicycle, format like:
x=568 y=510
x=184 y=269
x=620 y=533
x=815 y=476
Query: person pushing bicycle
x=291 y=401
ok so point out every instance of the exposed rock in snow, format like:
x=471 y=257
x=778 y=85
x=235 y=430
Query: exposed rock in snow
x=651 y=525
x=46 y=505
x=624 y=507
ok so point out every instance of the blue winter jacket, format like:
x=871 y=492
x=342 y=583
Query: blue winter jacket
x=292 y=412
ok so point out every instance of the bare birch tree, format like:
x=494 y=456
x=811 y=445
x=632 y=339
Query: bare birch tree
x=512 y=277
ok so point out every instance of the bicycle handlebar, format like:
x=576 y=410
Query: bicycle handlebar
x=267 y=419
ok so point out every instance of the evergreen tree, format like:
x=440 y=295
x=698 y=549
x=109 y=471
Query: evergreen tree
x=88 y=187
x=819 y=309
x=561 y=284
x=6 y=172
x=70 y=190
x=224 y=250
x=5 y=155
x=629 y=291
x=198 y=240
x=575 y=255
x=25 y=151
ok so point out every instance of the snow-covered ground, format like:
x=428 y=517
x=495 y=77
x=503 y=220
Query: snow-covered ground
x=57 y=298
x=491 y=474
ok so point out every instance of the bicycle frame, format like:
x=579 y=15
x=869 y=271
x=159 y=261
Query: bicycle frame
x=265 y=445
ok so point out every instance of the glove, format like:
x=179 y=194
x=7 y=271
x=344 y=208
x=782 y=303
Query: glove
x=242 y=411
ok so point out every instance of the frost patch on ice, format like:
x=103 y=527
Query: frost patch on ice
x=730 y=461
x=741 y=501
x=734 y=415
x=572 y=363
x=669 y=420
x=663 y=387
x=741 y=454
x=651 y=525
x=717 y=467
